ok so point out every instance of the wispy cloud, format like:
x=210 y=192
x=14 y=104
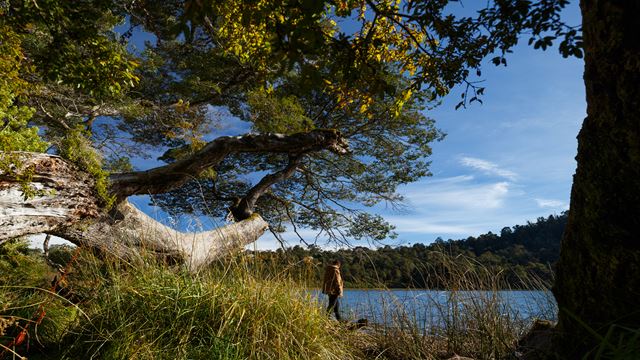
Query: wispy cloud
x=421 y=225
x=488 y=167
x=551 y=203
x=457 y=193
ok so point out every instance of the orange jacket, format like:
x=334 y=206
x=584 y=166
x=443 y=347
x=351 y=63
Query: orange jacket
x=332 y=284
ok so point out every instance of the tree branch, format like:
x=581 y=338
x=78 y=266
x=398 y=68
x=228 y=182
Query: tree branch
x=245 y=206
x=165 y=178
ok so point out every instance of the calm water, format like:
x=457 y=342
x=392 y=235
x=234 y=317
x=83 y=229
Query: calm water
x=429 y=308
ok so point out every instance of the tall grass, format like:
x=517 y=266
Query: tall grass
x=243 y=309
x=151 y=311
x=475 y=320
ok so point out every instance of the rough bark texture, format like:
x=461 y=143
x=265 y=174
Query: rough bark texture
x=64 y=196
x=67 y=206
x=598 y=275
x=127 y=231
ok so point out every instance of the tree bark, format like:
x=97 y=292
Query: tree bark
x=66 y=204
x=598 y=275
x=162 y=179
x=128 y=233
x=64 y=195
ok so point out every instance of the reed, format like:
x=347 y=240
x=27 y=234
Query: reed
x=475 y=321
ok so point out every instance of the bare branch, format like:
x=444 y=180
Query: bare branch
x=245 y=206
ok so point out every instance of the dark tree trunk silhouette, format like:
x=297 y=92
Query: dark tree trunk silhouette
x=598 y=275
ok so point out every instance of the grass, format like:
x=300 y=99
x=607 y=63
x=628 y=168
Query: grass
x=152 y=311
x=107 y=309
x=477 y=324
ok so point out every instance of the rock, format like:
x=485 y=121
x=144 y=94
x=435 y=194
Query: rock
x=537 y=343
x=359 y=324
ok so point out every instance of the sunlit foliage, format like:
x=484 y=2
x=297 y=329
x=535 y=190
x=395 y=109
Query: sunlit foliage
x=77 y=78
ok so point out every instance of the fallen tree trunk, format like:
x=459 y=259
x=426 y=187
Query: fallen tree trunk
x=43 y=193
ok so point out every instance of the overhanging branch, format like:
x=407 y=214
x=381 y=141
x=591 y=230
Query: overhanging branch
x=165 y=178
x=246 y=205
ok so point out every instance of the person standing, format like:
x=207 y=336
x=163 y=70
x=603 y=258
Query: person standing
x=333 y=286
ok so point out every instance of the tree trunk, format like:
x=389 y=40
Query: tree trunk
x=63 y=195
x=598 y=275
x=65 y=205
x=64 y=202
x=128 y=232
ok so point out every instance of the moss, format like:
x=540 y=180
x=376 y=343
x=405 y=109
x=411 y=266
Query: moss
x=77 y=148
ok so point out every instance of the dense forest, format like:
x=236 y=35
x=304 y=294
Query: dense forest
x=521 y=256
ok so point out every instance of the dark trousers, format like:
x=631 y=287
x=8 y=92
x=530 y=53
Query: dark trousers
x=334 y=305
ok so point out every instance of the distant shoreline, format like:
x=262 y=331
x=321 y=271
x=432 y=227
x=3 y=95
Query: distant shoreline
x=426 y=289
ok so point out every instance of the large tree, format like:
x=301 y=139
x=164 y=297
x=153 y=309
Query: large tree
x=598 y=275
x=329 y=125
x=335 y=113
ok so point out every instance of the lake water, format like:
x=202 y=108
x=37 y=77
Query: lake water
x=429 y=308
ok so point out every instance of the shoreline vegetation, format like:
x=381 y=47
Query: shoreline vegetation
x=238 y=309
x=518 y=253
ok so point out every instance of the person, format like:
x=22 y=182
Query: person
x=333 y=287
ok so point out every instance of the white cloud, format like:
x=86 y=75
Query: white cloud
x=487 y=167
x=458 y=193
x=449 y=180
x=421 y=225
x=551 y=203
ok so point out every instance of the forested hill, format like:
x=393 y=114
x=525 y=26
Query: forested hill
x=537 y=242
x=517 y=253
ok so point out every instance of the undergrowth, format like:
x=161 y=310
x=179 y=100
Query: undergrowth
x=477 y=324
x=112 y=310
x=109 y=309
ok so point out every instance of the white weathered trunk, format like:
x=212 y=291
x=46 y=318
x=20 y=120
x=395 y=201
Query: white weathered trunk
x=65 y=205
x=64 y=195
x=130 y=233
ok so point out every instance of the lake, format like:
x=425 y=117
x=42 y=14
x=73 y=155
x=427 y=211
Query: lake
x=434 y=308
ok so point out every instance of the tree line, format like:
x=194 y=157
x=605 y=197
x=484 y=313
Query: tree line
x=519 y=257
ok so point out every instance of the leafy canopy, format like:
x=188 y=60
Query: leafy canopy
x=368 y=69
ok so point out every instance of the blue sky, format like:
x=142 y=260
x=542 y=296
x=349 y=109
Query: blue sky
x=504 y=162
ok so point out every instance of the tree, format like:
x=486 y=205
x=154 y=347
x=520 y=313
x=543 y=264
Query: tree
x=286 y=66
x=323 y=133
x=597 y=275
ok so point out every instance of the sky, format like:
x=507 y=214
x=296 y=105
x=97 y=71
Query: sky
x=504 y=162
